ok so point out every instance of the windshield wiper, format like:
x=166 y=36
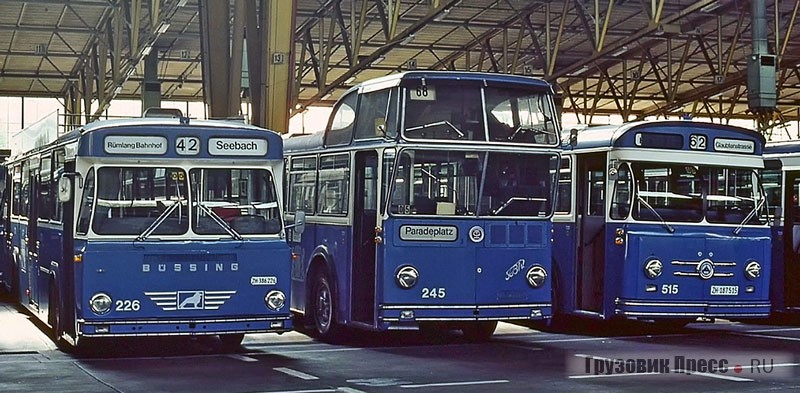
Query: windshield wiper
x=523 y=129
x=438 y=123
x=219 y=221
x=748 y=217
x=158 y=221
x=653 y=210
x=513 y=199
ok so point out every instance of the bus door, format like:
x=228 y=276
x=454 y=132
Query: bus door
x=32 y=240
x=591 y=232
x=791 y=254
x=365 y=212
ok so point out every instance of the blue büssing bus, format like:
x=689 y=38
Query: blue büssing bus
x=151 y=226
x=427 y=203
x=662 y=221
x=781 y=177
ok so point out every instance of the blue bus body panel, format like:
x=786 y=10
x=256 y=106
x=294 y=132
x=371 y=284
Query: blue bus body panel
x=183 y=287
x=483 y=280
x=626 y=286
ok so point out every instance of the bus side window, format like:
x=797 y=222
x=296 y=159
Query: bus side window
x=371 y=117
x=621 y=204
x=564 y=201
x=341 y=125
x=86 y=203
x=595 y=196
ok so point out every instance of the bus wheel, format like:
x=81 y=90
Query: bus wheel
x=323 y=307
x=479 y=331
x=54 y=318
x=231 y=342
x=675 y=323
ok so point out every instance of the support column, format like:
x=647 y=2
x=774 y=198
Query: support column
x=151 y=85
x=270 y=39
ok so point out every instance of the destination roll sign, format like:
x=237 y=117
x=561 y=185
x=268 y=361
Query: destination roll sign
x=237 y=147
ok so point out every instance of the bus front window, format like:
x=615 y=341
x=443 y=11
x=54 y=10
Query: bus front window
x=447 y=183
x=445 y=111
x=689 y=193
x=734 y=197
x=521 y=116
x=437 y=183
x=234 y=201
x=141 y=201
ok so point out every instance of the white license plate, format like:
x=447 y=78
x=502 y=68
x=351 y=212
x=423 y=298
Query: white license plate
x=724 y=290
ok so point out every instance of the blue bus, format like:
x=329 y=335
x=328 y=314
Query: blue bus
x=149 y=227
x=781 y=177
x=662 y=221
x=427 y=204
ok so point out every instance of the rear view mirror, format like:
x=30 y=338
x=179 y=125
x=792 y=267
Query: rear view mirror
x=299 y=223
x=64 y=189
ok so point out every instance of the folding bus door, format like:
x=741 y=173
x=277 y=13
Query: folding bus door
x=365 y=210
x=791 y=254
x=591 y=232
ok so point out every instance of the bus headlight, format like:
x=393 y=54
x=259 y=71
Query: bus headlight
x=653 y=269
x=100 y=303
x=407 y=277
x=536 y=276
x=752 y=270
x=275 y=300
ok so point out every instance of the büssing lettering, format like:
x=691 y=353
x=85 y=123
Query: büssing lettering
x=189 y=267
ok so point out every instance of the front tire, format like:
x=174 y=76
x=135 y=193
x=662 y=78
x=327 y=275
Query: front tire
x=479 y=331
x=54 y=318
x=323 y=308
x=231 y=342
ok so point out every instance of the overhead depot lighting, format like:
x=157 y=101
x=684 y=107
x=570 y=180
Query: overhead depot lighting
x=118 y=90
x=620 y=51
x=409 y=38
x=147 y=49
x=378 y=60
x=711 y=7
x=442 y=15
x=326 y=96
x=350 y=80
x=162 y=28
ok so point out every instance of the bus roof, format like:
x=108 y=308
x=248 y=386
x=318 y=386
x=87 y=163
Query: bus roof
x=90 y=137
x=302 y=142
x=625 y=135
x=485 y=77
x=782 y=147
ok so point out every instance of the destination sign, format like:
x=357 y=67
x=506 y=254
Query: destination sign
x=129 y=144
x=237 y=147
x=429 y=233
x=734 y=145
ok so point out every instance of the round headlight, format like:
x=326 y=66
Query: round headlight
x=653 y=268
x=752 y=270
x=275 y=300
x=536 y=276
x=100 y=303
x=407 y=277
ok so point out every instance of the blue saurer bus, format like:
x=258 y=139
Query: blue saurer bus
x=427 y=202
x=150 y=226
x=781 y=177
x=664 y=221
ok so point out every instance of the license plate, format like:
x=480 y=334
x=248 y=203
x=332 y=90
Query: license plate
x=724 y=290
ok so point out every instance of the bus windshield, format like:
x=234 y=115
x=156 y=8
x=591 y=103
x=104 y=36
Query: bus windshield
x=462 y=111
x=130 y=200
x=462 y=183
x=688 y=193
x=234 y=202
